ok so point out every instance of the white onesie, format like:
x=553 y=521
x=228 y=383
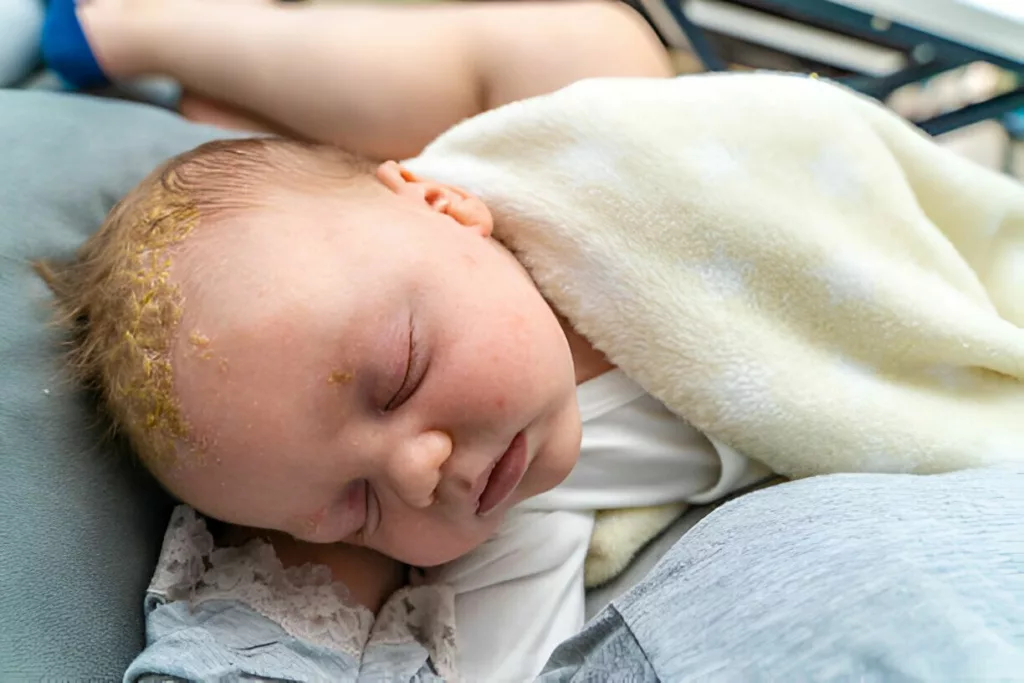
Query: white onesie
x=521 y=593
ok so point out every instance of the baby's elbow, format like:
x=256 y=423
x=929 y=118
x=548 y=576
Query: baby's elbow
x=622 y=34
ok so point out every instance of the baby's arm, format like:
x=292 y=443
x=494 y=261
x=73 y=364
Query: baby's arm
x=378 y=80
x=520 y=595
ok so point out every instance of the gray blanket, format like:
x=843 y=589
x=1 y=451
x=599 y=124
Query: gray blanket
x=837 y=578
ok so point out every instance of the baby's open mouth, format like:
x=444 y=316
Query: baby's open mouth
x=505 y=476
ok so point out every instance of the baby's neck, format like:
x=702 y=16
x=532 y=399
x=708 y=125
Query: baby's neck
x=587 y=361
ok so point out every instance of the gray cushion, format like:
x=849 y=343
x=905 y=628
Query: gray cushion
x=80 y=525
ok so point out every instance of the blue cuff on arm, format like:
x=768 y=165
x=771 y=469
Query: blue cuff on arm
x=66 y=50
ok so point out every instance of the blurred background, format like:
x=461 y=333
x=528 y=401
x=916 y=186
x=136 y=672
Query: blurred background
x=955 y=67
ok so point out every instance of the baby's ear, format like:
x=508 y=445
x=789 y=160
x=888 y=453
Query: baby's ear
x=466 y=209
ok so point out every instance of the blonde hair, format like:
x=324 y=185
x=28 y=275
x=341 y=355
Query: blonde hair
x=115 y=296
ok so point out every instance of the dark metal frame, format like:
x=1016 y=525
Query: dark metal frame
x=930 y=55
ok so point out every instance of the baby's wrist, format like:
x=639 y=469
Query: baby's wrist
x=120 y=35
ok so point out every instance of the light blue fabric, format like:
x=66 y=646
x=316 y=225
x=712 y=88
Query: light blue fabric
x=223 y=640
x=21 y=23
x=883 y=578
x=841 y=578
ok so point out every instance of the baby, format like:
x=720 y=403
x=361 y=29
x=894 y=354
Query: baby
x=310 y=345
x=298 y=339
x=295 y=341
x=328 y=349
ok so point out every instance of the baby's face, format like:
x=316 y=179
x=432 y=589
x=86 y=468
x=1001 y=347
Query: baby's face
x=375 y=373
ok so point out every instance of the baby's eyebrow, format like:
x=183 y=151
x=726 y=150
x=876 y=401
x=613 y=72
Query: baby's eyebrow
x=368 y=365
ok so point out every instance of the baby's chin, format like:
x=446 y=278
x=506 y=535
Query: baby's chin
x=438 y=548
x=558 y=455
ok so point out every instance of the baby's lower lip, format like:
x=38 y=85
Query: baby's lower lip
x=505 y=476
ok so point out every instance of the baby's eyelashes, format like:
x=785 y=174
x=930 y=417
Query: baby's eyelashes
x=414 y=368
x=373 y=515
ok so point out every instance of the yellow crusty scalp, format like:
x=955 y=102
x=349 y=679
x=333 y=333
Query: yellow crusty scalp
x=117 y=297
x=152 y=310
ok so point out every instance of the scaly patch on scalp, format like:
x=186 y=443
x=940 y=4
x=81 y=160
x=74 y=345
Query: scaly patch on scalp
x=116 y=299
x=339 y=377
x=143 y=381
x=198 y=340
x=200 y=344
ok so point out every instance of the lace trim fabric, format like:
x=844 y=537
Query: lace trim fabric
x=427 y=613
x=304 y=601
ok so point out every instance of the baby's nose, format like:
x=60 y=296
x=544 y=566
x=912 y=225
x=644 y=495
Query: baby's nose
x=415 y=468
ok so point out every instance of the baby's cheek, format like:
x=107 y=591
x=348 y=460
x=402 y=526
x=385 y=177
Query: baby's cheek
x=503 y=374
x=326 y=524
x=507 y=392
x=308 y=526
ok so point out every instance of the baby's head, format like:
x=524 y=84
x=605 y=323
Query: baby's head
x=296 y=339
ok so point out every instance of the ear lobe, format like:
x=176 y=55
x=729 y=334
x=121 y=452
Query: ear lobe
x=469 y=211
x=461 y=206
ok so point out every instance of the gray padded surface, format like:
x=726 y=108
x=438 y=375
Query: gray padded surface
x=80 y=525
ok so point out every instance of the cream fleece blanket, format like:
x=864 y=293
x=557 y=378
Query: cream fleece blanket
x=785 y=264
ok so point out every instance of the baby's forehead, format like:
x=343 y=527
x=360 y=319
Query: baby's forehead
x=301 y=263
x=313 y=232
x=254 y=267
x=244 y=248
